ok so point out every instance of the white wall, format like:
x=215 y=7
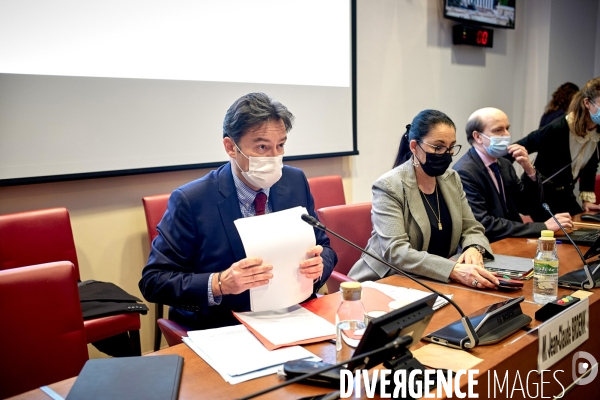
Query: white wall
x=574 y=24
x=405 y=64
x=597 y=61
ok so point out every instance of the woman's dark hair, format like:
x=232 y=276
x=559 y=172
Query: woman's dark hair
x=561 y=98
x=589 y=91
x=421 y=125
x=251 y=111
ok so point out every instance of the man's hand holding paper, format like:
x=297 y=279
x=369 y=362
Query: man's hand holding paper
x=242 y=275
x=287 y=243
x=313 y=267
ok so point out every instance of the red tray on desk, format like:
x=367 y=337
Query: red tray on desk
x=326 y=307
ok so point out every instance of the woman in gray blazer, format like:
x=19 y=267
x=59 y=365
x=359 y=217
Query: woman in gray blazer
x=421 y=215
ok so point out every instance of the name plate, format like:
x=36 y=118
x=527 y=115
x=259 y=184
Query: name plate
x=562 y=334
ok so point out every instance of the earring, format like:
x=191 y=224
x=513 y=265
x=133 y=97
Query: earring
x=415 y=162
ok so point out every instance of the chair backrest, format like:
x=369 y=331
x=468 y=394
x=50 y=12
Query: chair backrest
x=154 y=207
x=353 y=221
x=327 y=191
x=36 y=237
x=597 y=189
x=42 y=335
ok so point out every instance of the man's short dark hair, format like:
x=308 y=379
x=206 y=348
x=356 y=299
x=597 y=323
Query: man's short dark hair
x=251 y=111
x=474 y=124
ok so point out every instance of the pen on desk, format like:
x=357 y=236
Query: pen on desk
x=535 y=241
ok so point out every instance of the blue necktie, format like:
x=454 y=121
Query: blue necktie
x=496 y=171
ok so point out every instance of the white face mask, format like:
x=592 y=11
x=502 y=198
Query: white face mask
x=498 y=145
x=263 y=172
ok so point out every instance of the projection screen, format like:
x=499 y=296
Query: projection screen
x=117 y=87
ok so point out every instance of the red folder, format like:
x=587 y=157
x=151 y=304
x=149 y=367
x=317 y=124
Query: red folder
x=326 y=307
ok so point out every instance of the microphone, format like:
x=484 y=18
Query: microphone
x=466 y=322
x=402 y=341
x=590 y=281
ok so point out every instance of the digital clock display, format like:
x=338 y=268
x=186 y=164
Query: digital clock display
x=472 y=35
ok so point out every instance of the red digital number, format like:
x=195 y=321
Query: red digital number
x=478 y=37
x=484 y=37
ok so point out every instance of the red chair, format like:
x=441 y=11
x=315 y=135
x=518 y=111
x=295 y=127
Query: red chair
x=172 y=330
x=353 y=221
x=154 y=208
x=327 y=191
x=42 y=236
x=43 y=339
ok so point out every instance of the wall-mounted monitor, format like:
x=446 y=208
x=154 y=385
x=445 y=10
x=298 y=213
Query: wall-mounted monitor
x=498 y=13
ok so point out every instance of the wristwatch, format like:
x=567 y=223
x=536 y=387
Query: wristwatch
x=477 y=247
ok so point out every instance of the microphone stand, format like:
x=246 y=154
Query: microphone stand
x=466 y=322
x=394 y=344
x=590 y=281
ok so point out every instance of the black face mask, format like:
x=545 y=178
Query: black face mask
x=436 y=164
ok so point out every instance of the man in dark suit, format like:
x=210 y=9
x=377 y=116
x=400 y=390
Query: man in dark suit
x=495 y=193
x=197 y=263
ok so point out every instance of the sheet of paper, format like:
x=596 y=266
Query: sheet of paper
x=281 y=239
x=225 y=345
x=233 y=380
x=406 y=295
x=288 y=325
x=582 y=294
x=436 y=356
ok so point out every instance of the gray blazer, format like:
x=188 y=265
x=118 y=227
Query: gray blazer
x=401 y=229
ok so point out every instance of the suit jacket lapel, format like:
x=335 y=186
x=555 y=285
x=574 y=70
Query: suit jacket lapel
x=278 y=194
x=483 y=172
x=229 y=209
x=415 y=204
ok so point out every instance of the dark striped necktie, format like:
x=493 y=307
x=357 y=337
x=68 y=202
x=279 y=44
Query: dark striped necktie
x=496 y=171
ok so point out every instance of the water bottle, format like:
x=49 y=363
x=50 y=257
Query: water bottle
x=545 y=269
x=349 y=321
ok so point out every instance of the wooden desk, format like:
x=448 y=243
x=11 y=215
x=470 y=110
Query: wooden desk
x=592 y=224
x=517 y=353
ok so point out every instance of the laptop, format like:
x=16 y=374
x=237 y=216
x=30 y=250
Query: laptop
x=577 y=278
x=582 y=237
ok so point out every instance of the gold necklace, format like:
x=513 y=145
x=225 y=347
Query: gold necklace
x=439 y=215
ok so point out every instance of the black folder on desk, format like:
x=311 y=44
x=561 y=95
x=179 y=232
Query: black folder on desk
x=148 y=378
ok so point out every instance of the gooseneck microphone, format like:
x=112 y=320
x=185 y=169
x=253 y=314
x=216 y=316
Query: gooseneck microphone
x=590 y=281
x=472 y=335
x=403 y=341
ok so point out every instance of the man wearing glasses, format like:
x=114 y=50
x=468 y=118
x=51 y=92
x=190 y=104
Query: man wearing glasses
x=495 y=193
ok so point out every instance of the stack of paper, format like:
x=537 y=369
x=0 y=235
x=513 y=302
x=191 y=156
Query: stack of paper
x=405 y=294
x=292 y=325
x=510 y=266
x=237 y=355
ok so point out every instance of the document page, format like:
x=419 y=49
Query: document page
x=403 y=294
x=281 y=239
x=288 y=325
x=234 y=350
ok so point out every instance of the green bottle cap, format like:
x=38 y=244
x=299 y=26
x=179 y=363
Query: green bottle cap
x=546 y=233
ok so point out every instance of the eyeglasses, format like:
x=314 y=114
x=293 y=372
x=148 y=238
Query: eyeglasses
x=439 y=150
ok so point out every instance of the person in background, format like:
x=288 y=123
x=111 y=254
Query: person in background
x=559 y=104
x=494 y=191
x=421 y=215
x=197 y=263
x=567 y=152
